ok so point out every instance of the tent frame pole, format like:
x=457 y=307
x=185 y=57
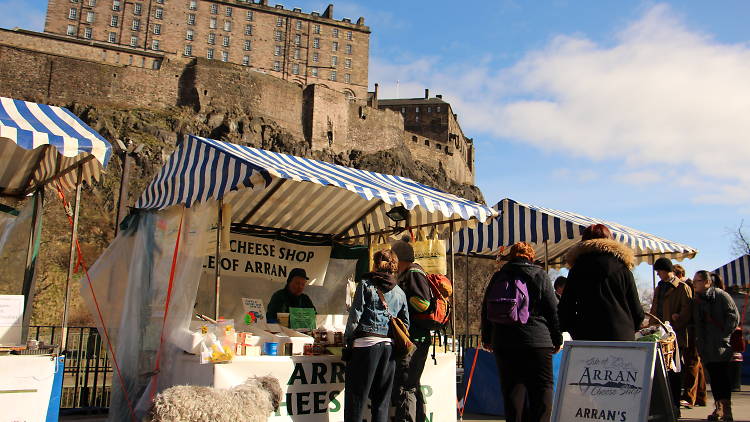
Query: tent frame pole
x=468 y=285
x=217 y=257
x=546 y=256
x=71 y=259
x=653 y=273
x=453 y=275
x=29 y=277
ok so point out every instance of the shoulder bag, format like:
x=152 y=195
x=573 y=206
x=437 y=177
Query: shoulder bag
x=402 y=344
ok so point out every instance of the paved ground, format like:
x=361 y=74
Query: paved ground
x=740 y=407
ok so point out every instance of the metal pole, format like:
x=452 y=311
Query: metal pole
x=453 y=275
x=653 y=273
x=546 y=256
x=72 y=259
x=217 y=272
x=123 y=196
x=468 y=285
x=29 y=277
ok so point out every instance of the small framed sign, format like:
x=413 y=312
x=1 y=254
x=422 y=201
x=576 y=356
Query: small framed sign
x=605 y=381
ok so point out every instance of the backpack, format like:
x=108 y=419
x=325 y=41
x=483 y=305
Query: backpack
x=441 y=288
x=508 y=302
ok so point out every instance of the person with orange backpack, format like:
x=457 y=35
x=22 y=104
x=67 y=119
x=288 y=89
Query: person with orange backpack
x=428 y=297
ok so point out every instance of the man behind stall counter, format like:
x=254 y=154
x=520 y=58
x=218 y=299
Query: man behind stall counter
x=291 y=296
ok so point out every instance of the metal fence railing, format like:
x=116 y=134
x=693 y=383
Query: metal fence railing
x=87 y=378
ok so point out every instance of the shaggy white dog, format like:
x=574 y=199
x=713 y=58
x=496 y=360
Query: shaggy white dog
x=253 y=400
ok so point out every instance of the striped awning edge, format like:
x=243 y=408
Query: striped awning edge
x=737 y=272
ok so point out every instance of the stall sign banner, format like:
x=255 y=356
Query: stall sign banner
x=11 y=317
x=313 y=386
x=608 y=381
x=259 y=257
x=302 y=318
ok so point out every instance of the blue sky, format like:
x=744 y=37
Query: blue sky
x=635 y=112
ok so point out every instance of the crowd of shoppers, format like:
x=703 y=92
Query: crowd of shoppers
x=523 y=315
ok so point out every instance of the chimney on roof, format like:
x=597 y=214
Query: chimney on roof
x=426 y=93
x=439 y=96
x=264 y=2
x=361 y=21
x=329 y=12
x=375 y=97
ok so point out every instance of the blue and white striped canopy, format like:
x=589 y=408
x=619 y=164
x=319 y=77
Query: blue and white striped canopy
x=283 y=191
x=40 y=143
x=561 y=229
x=737 y=272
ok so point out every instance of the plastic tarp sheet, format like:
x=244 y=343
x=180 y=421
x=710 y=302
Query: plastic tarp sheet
x=14 y=242
x=131 y=281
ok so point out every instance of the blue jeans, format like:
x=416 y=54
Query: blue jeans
x=369 y=374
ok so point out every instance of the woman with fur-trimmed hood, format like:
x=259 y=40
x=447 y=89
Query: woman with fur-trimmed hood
x=600 y=301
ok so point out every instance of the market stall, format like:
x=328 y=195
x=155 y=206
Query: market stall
x=219 y=228
x=736 y=273
x=42 y=147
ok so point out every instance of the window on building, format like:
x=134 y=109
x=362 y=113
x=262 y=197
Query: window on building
x=335 y=46
x=245 y=60
x=297 y=53
x=316 y=29
x=316 y=42
x=133 y=41
x=159 y=13
x=137 y=8
x=136 y=26
x=416 y=117
x=348 y=49
x=279 y=21
x=298 y=25
x=348 y=63
x=155 y=45
x=335 y=32
x=247 y=46
x=249 y=15
x=87 y=33
x=332 y=77
x=414 y=139
x=114 y=21
x=277 y=35
x=437 y=109
x=429 y=109
x=225 y=56
x=248 y=30
x=189 y=34
x=210 y=53
x=212 y=23
x=116 y=5
x=277 y=66
x=92 y=3
x=160 y=1
x=228 y=12
x=157 y=28
x=112 y=37
x=403 y=110
x=295 y=69
x=348 y=78
x=277 y=50
x=349 y=35
x=74 y=1
x=192 y=6
x=314 y=72
x=211 y=38
x=298 y=40
x=315 y=57
x=225 y=41
x=188 y=50
x=214 y=8
x=334 y=61
x=191 y=19
x=73 y=13
x=438 y=146
x=416 y=109
x=71 y=30
x=427 y=142
x=228 y=26
x=90 y=17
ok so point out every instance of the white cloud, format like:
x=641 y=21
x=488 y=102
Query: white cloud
x=24 y=15
x=659 y=96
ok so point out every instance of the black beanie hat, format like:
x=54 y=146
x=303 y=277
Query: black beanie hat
x=403 y=250
x=664 y=264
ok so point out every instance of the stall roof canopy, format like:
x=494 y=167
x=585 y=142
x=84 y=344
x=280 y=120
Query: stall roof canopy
x=294 y=193
x=561 y=229
x=737 y=272
x=41 y=143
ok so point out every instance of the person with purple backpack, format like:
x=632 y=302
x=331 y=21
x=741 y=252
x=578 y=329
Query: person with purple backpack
x=519 y=325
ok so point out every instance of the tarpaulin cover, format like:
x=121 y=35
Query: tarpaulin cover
x=518 y=222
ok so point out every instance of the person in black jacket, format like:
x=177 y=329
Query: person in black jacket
x=600 y=301
x=524 y=351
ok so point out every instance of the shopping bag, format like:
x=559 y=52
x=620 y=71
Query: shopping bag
x=429 y=252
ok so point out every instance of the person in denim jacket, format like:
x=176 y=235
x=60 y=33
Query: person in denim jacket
x=372 y=365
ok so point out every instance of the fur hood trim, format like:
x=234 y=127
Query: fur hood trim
x=621 y=251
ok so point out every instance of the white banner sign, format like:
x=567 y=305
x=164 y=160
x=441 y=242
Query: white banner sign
x=313 y=386
x=259 y=257
x=607 y=381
